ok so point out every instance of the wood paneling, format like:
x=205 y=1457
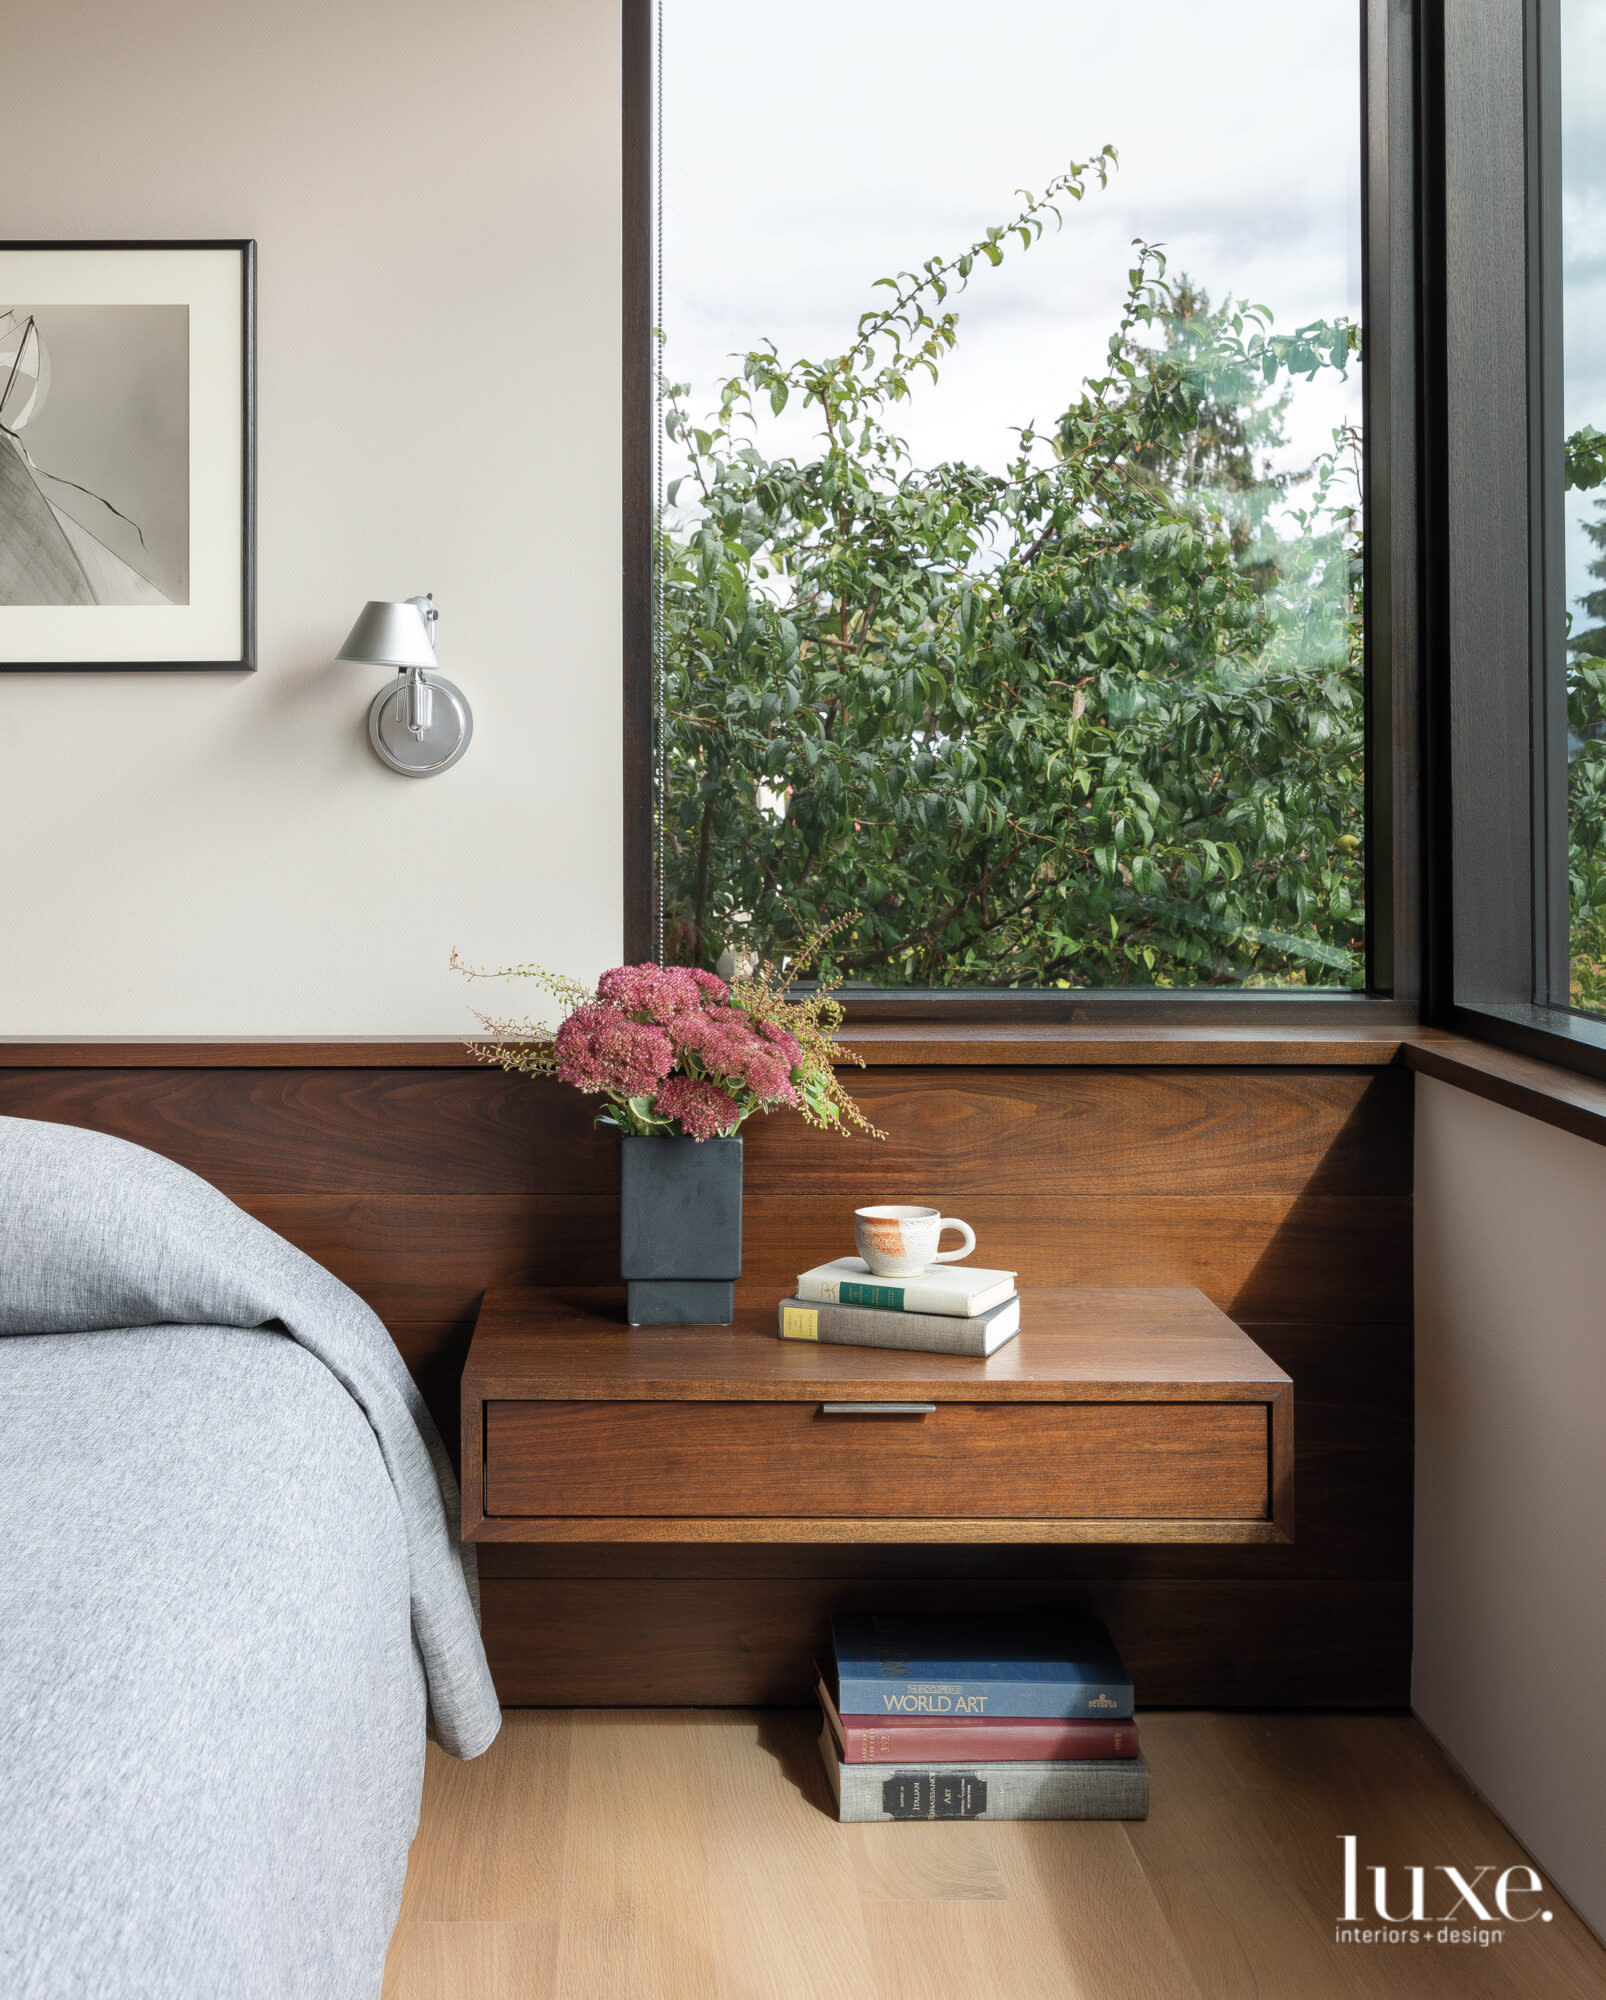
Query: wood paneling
x=603 y=1641
x=1280 y=1257
x=338 y=1131
x=1114 y=1134
x=432 y=1256
x=1269 y=1168
x=1125 y=1133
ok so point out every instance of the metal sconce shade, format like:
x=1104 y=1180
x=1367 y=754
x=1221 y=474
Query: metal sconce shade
x=389 y=635
x=421 y=724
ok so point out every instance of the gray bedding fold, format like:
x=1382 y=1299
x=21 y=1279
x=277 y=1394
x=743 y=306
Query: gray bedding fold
x=211 y=1705
x=98 y=1234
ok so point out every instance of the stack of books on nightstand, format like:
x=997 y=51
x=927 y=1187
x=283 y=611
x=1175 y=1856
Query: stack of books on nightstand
x=946 y=1309
x=979 y=1718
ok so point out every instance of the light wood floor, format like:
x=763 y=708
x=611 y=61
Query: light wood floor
x=688 y=1855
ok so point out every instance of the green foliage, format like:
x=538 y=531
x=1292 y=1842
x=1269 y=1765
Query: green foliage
x=1584 y=459
x=1091 y=720
x=1586 y=767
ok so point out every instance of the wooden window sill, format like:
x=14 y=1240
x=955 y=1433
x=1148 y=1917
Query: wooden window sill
x=1555 y=1096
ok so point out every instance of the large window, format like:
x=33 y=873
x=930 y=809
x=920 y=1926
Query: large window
x=1521 y=718
x=1009 y=608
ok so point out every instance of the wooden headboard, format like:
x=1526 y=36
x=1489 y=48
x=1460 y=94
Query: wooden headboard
x=1275 y=1175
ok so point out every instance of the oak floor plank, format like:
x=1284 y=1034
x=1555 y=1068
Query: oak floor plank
x=783 y=1905
x=470 y=1961
x=966 y=1951
x=691 y=1855
x=952 y=1864
x=1077 y=1921
x=472 y=1867
x=1111 y=1929
x=1219 y=1877
x=635 y=1921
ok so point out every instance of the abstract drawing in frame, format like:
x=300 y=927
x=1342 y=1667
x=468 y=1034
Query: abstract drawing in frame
x=126 y=456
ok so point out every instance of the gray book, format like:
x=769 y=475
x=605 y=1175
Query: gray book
x=874 y=1326
x=1109 y=1789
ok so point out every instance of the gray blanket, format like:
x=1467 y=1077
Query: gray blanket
x=230 y=1573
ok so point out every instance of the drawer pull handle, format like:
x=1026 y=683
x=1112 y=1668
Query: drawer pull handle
x=878 y=1409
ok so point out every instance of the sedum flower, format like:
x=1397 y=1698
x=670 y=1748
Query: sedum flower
x=664 y=993
x=598 y=1048
x=703 y=1109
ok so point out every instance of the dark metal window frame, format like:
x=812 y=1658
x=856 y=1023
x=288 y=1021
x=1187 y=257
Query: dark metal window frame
x=1400 y=912
x=1496 y=560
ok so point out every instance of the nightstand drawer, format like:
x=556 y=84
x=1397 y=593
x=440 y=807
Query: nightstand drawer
x=1175 y=1461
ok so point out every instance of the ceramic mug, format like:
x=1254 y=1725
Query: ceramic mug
x=897 y=1242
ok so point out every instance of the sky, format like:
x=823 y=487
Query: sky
x=809 y=150
x=1583 y=253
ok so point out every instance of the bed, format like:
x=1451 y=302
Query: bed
x=232 y=1595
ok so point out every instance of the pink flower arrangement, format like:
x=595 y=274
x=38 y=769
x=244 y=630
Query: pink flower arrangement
x=678 y=1053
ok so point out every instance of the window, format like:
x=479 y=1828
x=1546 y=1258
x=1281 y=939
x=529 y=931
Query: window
x=1522 y=706
x=1011 y=577
x=1582 y=200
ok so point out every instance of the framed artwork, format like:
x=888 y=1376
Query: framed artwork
x=127 y=456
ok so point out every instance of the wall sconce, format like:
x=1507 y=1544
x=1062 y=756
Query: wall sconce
x=421 y=724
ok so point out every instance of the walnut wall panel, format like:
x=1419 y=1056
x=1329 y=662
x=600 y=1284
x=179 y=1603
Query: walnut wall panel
x=596 y=1642
x=1282 y=1192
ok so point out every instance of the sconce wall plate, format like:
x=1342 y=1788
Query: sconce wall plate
x=446 y=736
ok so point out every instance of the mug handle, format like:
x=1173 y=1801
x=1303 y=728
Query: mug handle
x=965 y=1248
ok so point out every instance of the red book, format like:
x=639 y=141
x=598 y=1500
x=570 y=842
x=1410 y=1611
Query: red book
x=950 y=1739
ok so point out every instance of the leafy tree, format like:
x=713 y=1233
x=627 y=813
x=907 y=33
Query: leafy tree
x=1235 y=420
x=1089 y=720
x=1586 y=763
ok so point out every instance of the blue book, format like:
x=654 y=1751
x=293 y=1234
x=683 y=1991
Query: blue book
x=978 y=1666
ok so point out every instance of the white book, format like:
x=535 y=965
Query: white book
x=960 y=1291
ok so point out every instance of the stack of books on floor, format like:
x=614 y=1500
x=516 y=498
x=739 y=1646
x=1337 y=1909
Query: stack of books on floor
x=946 y=1309
x=980 y=1718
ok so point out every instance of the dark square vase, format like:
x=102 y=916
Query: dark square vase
x=680 y=1229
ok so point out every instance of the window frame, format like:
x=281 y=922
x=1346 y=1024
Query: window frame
x=1397 y=802
x=1498 y=572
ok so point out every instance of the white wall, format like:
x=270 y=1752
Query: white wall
x=1510 y=1660
x=435 y=196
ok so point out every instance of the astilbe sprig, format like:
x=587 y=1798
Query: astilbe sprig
x=810 y=1023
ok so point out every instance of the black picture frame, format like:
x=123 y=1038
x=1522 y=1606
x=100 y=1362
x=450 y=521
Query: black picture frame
x=245 y=661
